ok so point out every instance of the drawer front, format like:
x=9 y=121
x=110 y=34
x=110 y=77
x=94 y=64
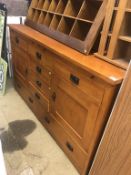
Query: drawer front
x=21 y=87
x=21 y=62
x=39 y=98
x=74 y=110
x=35 y=100
x=42 y=86
x=19 y=40
x=44 y=73
x=85 y=82
x=39 y=55
x=70 y=147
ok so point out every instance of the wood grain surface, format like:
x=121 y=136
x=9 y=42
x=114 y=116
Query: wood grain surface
x=97 y=67
x=114 y=154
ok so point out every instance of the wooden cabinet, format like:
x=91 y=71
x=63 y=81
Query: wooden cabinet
x=72 y=98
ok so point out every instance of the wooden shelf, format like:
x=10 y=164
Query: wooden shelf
x=74 y=15
x=125 y=38
x=118 y=35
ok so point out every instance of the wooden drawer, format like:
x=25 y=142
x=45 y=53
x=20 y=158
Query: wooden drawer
x=38 y=103
x=44 y=73
x=21 y=62
x=42 y=86
x=85 y=82
x=40 y=55
x=19 y=40
x=77 y=155
x=39 y=97
x=20 y=86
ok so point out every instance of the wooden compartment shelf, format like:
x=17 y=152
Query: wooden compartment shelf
x=65 y=25
x=123 y=50
x=46 y=4
x=80 y=30
x=72 y=21
x=48 y=19
x=89 y=10
x=61 y=6
x=73 y=8
x=55 y=22
x=125 y=26
x=119 y=31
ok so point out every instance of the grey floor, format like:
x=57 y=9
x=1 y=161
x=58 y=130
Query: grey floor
x=27 y=146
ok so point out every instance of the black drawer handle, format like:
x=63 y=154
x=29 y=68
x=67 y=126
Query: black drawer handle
x=37 y=96
x=69 y=146
x=26 y=71
x=38 y=69
x=54 y=96
x=30 y=100
x=47 y=120
x=39 y=83
x=75 y=80
x=17 y=40
x=38 y=55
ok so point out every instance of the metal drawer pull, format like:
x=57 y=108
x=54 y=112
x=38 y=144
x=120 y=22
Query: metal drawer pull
x=69 y=146
x=54 y=96
x=30 y=100
x=17 y=40
x=38 y=56
x=75 y=80
x=38 y=69
x=38 y=83
x=47 y=120
x=37 y=96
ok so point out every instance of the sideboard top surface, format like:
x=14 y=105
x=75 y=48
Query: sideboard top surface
x=94 y=65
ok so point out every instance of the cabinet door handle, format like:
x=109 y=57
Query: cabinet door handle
x=69 y=146
x=54 y=96
x=37 y=96
x=38 y=55
x=75 y=80
x=47 y=120
x=38 y=69
x=38 y=83
x=26 y=71
x=17 y=40
x=30 y=100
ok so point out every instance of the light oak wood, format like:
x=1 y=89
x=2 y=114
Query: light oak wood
x=73 y=102
x=113 y=155
x=90 y=63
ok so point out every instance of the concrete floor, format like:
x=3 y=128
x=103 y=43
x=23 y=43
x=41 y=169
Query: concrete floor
x=27 y=146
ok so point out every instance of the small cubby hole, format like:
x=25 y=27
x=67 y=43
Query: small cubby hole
x=65 y=25
x=53 y=5
x=46 y=4
x=89 y=10
x=55 y=22
x=48 y=19
x=61 y=6
x=36 y=15
x=40 y=4
x=123 y=50
x=126 y=27
x=80 y=30
x=42 y=17
x=73 y=7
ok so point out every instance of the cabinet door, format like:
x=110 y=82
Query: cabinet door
x=20 y=62
x=74 y=110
